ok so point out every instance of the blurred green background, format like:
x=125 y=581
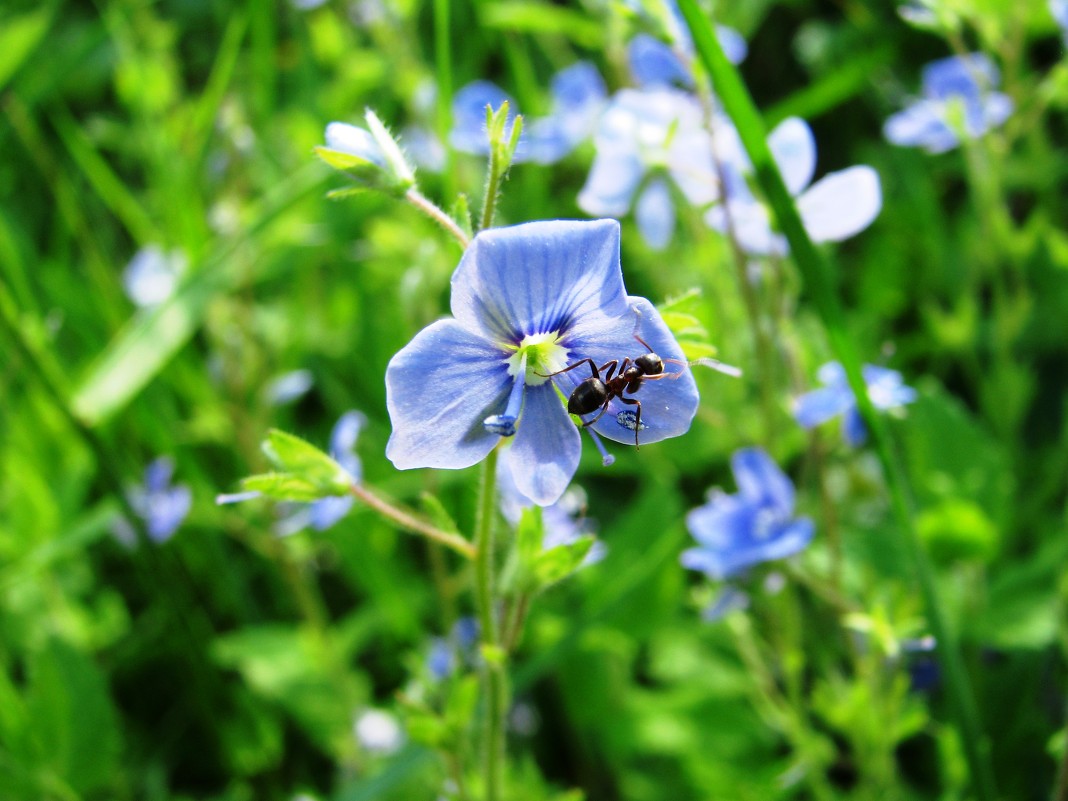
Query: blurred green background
x=230 y=663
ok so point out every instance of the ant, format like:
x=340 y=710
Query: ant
x=595 y=392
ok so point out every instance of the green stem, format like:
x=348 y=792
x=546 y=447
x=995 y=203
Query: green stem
x=493 y=658
x=412 y=523
x=817 y=276
x=434 y=212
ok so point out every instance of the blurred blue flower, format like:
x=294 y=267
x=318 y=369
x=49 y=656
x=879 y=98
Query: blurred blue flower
x=958 y=97
x=836 y=207
x=564 y=521
x=152 y=275
x=446 y=653
x=527 y=301
x=160 y=505
x=886 y=389
x=578 y=95
x=644 y=138
x=325 y=512
x=654 y=63
x=735 y=532
x=288 y=387
x=1059 y=10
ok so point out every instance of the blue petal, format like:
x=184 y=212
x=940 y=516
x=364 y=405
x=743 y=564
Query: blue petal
x=653 y=63
x=990 y=112
x=655 y=214
x=794 y=150
x=167 y=511
x=832 y=374
x=1059 y=10
x=841 y=204
x=439 y=389
x=543 y=141
x=886 y=388
x=854 y=431
x=538 y=277
x=959 y=76
x=546 y=449
x=355 y=141
x=328 y=511
x=750 y=224
x=733 y=44
x=921 y=124
x=346 y=430
x=579 y=96
x=614 y=176
x=761 y=481
x=469 y=115
x=722 y=523
x=158 y=474
x=820 y=405
x=668 y=404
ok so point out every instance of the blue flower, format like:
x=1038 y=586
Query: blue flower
x=958 y=97
x=735 y=532
x=578 y=95
x=836 y=207
x=644 y=138
x=886 y=389
x=325 y=512
x=564 y=521
x=528 y=301
x=459 y=647
x=654 y=63
x=152 y=275
x=1059 y=10
x=160 y=505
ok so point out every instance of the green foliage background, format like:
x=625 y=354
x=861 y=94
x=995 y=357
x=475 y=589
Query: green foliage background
x=229 y=663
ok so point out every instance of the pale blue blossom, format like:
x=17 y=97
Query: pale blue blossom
x=959 y=97
x=654 y=63
x=528 y=301
x=757 y=524
x=1059 y=10
x=648 y=141
x=886 y=389
x=160 y=505
x=833 y=208
x=152 y=275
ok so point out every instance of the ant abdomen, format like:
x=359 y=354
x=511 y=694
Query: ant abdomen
x=588 y=396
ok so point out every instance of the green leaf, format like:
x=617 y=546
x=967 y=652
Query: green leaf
x=304 y=461
x=18 y=38
x=560 y=562
x=530 y=17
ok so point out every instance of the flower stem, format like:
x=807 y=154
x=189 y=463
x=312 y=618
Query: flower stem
x=493 y=658
x=411 y=523
x=817 y=276
x=434 y=212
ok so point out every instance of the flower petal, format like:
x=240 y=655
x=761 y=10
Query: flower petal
x=761 y=481
x=655 y=214
x=820 y=405
x=609 y=187
x=578 y=98
x=439 y=389
x=854 y=432
x=545 y=453
x=653 y=63
x=668 y=405
x=921 y=124
x=959 y=76
x=794 y=149
x=841 y=204
x=538 y=277
x=345 y=138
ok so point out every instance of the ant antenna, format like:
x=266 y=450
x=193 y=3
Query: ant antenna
x=713 y=364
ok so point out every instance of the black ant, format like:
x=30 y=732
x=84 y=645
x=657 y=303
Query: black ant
x=594 y=393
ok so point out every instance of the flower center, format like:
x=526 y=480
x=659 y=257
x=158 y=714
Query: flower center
x=544 y=354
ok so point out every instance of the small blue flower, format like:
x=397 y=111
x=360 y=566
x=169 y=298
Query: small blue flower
x=958 y=97
x=1059 y=10
x=288 y=387
x=886 y=389
x=644 y=137
x=834 y=208
x=458 y=648
x=325 y=512
x=578 y=95
x=564 y=521
x=355 y=141
x=160 y=505
x=654 y=63
x=735 y=532
x=152 y=275
x=527 y=301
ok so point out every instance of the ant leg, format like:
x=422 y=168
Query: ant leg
x=637 y=416
x=600 y=414
x=579 y=363
x=610 y=366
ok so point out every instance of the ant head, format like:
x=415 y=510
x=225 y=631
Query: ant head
x=650 y=363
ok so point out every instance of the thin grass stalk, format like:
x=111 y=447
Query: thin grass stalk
x=816 y=274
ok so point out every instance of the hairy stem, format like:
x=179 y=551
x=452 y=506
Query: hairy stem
x=412 y=523
x=435 y=212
